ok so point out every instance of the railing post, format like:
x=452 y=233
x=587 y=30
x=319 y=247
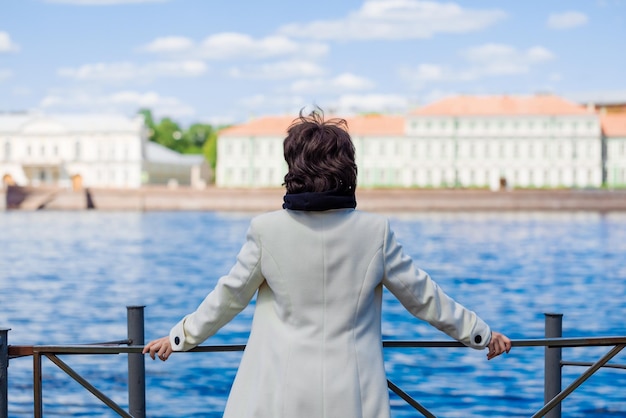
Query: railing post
x=136 y=364
x=552 y=378
x=4 y=376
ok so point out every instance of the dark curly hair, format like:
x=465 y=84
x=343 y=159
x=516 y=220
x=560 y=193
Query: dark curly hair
x=320 y=155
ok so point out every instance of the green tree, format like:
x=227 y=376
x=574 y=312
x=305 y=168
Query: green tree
x=196 y=136
x=169 y=134
x=209 y=149
x=199 y=138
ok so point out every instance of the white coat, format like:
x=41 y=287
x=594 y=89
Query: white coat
x=315 y=345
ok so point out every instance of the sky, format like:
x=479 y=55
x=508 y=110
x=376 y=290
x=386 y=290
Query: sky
x=224 y=62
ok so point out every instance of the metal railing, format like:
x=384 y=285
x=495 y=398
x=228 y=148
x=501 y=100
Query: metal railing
x=133 y=346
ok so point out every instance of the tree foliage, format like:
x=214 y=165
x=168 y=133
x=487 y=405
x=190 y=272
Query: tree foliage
x=199 y=138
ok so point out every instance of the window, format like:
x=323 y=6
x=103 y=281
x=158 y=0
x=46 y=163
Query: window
x=77 y=150
x=7 y=150
x=42 y=150
x=28 y=150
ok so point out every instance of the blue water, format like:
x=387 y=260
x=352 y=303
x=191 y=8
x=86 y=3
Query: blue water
x=67 y=277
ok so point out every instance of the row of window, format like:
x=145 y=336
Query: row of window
x=530 y=125
x=482 y=177
x=52 y=150
x=436 y=177
x=251 y=147
x=446 y=149
x=500 y=149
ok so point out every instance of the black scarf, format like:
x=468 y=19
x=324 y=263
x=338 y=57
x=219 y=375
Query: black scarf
x=319 y=201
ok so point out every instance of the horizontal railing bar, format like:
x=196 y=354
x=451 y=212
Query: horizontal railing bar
x=539 y=342
x=117 y=342
x=107 y=349
x=15 y=351
x=587 y=364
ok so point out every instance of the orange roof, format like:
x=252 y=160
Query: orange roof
x=613 y=124
x=269 y=125
x=357 y=125
x=501 y=105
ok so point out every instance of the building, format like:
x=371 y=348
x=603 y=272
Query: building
x=80 y=150
x=614 y=135
x=540 y=141
x=488 y=141
x=167 y=167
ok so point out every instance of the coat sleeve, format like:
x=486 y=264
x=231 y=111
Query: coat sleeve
x=230 y=296
x=423 y=298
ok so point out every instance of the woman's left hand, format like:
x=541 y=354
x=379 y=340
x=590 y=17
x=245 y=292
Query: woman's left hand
x=160 y=347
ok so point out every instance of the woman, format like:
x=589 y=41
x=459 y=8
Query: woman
x=318 y=268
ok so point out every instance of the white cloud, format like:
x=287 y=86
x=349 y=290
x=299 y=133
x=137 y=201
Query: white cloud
x=487 y=60
x=498 y=59
x=117 y=102
x=273 y=104
x=397 y=19
x=123 y=71
x=567 y=20
x=235 y=46
x=343 y=82
x=355 y=103
x=231 y=45
x=169 y=44
x=278 y=70
x=6 y=44
x=103 y=2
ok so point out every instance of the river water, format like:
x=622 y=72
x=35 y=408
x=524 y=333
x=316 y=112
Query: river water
x=67 y=277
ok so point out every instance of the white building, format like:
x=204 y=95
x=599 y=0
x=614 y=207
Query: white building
x=167 y=167
x=71 y=150
x=466 y=141
x=89 y=151
x=483 y=141
x=614 y=132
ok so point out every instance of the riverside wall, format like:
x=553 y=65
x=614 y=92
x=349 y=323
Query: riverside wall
x=260 y=200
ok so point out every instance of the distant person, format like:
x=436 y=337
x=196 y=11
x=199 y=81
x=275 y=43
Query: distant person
x=318 y=268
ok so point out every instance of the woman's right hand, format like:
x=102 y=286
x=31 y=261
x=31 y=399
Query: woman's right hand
x=499 y=344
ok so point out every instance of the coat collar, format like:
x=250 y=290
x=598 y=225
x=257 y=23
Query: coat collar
x=319 y=201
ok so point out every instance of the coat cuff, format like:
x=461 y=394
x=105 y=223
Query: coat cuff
x=480 y=335
x=177 y=337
